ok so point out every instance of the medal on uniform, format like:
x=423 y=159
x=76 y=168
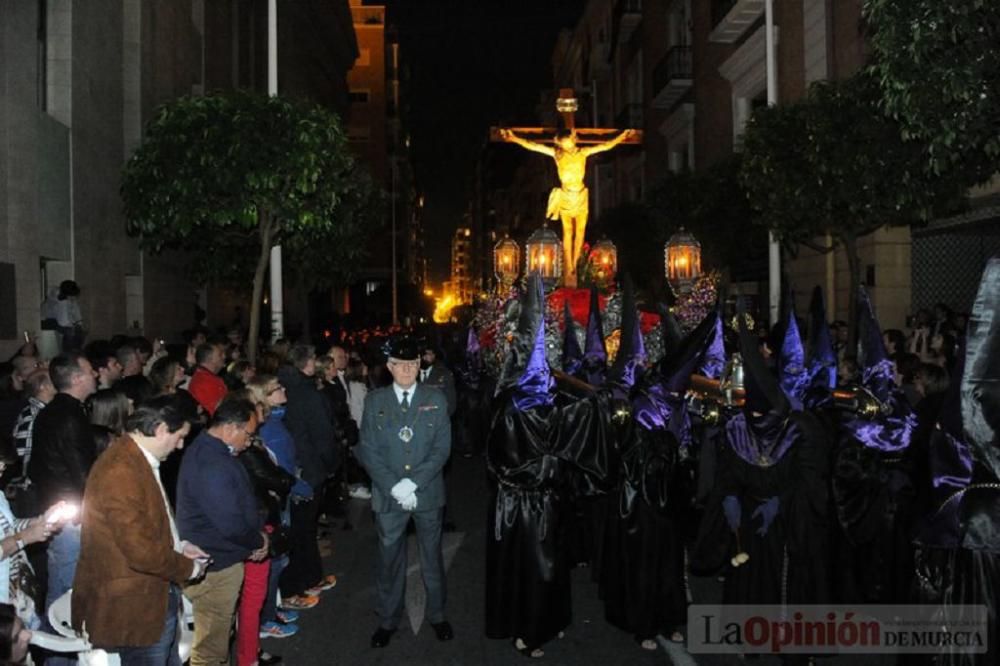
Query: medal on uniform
x=406 y=433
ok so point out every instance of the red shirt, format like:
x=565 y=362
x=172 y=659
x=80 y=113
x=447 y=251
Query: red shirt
x=207 y=388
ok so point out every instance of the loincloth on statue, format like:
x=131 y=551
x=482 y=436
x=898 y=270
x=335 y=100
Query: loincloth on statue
x=566 y=203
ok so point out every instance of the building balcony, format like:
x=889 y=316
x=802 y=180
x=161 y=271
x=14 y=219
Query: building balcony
x=732 y=18
x=672 y=77
x=628 y=15
x=630 y=117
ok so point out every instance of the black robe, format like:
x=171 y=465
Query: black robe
x=532 y=457
x=790 y=563
x=642 y=569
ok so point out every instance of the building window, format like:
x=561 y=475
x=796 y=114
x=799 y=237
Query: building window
x=359 y=96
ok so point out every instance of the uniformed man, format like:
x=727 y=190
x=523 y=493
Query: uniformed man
x=405 y=442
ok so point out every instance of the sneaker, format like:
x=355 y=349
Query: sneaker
x=360 y=492
x=299 y=602
x=327 y=583
x=278 y=630
x=287 y=616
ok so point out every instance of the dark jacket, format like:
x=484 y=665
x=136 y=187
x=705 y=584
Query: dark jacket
x=345 y=430
x=62 y=452
x=308 y=418
x=216 y=505
x=271 y=484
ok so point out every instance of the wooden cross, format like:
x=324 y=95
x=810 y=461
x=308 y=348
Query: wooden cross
x=566 y=104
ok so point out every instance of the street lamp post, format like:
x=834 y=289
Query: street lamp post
x=395 y=281
x=773 y=247
x=277 y=301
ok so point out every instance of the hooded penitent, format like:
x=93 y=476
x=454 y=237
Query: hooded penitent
x=981 y=383
x=631 y=356
x=763 y=519
x=893 y=429
x=473 y=361
x=642 y=560
x=959 y=566
x=872 y=481
x=792 y=360
x=876 y=368
x=595 y=355
x=822 y=364
x=980 y=513
x=572 y=358
x=534 y=385
x=539 y=443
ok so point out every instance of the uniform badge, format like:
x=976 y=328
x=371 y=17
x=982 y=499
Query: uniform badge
x=406 y=434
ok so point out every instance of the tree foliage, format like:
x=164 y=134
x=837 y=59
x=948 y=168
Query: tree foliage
x=711 y=204
x=938 y=67
x=833 y=163
x=228 y=176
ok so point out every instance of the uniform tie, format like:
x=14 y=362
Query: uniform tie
x=406 y=400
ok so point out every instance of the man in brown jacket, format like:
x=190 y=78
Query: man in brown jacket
x=126 y=594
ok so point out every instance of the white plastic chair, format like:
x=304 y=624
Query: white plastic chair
x=68 y=640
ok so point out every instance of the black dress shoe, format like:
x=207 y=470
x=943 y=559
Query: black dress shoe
x=443 y=630
x=381 y=637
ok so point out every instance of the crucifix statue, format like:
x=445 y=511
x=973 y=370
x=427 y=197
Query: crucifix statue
x=569 y=147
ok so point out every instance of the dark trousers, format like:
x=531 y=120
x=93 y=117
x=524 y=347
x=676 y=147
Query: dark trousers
x=305 y=568
x=390 y=566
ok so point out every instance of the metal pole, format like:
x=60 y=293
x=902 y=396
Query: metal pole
x=773 y=247
x=597 y=170
x=395 y=282
x=277 y=302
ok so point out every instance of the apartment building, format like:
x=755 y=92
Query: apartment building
x=78 y=85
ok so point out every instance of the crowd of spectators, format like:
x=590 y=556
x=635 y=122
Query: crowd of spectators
x=246 y=460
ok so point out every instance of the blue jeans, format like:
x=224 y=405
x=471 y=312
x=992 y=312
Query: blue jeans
x=269 y=613
x=166 y=651
x=63 y=553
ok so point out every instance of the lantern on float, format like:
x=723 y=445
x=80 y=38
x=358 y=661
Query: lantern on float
x=604 y=257
x=682 y=260
x=543 y=255
x=506 y=257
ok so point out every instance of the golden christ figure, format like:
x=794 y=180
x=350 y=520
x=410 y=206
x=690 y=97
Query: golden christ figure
x=569 y=201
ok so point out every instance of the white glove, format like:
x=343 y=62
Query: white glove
x=403 y=489
x=409 y=503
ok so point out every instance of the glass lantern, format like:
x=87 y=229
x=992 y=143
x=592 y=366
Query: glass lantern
x=506 y=257
x=604 y=257
x=543 y=255
x=682 y=260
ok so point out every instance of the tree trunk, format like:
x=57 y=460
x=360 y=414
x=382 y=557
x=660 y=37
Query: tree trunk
x=854 y=268
x=266 y=235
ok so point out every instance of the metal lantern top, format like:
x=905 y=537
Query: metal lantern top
x=506 y=258
x=604 y=256
x=543 y=254
x=682 y=258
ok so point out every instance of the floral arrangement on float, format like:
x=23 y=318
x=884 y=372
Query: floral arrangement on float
x=497 y=315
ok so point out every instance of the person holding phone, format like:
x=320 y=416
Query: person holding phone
x=127 y=589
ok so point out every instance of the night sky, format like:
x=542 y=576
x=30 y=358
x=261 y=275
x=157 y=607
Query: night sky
x=472 y=63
